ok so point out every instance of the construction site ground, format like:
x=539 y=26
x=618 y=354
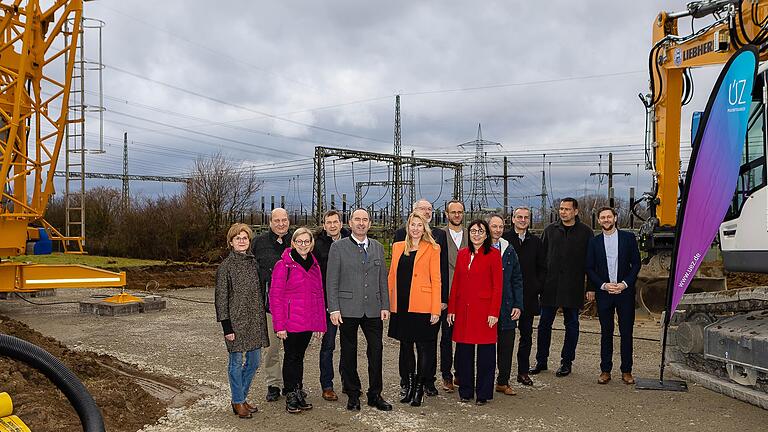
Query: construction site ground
x=167 y=370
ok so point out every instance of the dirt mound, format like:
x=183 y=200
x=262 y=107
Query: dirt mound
x=171 y=276
x=125 y=405
x=744 y=279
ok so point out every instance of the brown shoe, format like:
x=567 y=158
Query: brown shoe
x=628 y=378
x=242 y=411
x=456 y=381
x=448 y=385
x=250 y=407
x=604 y=378
x=507 y=390
x=330 y=395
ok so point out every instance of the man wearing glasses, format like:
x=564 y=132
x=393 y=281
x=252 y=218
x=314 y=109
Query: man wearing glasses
x=424 y=208
x=533 y=263
x=456 y=238
x=267 y=248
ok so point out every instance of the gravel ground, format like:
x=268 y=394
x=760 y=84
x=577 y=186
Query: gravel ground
x=185 y=342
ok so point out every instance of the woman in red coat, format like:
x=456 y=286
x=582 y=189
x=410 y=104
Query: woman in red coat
x=473 y=310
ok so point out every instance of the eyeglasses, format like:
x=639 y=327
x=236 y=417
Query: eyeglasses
x=303 y=242
x=241 y=239
x=477 y=231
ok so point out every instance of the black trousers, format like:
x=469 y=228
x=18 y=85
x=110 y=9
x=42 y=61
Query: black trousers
x=295 y=346
x=373 y=329
x=505 y=348
x=465 y=370
x=446 y=347
x=624 y=306
x=422 y=363
x=525 y=327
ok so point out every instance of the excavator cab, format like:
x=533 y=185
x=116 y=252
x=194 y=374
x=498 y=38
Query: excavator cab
x=744 y=233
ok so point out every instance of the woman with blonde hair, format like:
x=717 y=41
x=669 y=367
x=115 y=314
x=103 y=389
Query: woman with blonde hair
x=297 y=303
x=414 y=293
x=240 y=310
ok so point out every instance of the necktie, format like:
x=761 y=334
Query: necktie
x=365 y=252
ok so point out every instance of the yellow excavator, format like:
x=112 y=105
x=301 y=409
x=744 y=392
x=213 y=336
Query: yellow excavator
x=719 y=336
x=37 y=57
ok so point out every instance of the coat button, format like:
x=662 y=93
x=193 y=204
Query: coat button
x=366 y=297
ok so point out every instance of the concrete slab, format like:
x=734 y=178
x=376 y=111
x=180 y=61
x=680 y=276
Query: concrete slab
x=104 y=308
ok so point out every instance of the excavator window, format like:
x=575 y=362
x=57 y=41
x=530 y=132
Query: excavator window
x=752 y=173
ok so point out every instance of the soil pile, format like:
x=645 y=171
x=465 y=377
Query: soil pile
x=171 y=276
x=125 y=406
x=743 y=280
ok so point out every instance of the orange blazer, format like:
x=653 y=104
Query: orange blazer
x=425 y=282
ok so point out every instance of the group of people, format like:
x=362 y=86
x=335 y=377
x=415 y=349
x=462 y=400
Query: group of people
x=472 y=286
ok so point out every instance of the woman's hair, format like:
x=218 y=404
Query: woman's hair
x=487 y=242
x=236 y=229
x=304 y=230
x=427 y=237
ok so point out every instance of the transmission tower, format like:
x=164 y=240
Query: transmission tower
x=397 y=167
x=479 y=192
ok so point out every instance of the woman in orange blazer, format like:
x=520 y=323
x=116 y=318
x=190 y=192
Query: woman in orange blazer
x=414 y=300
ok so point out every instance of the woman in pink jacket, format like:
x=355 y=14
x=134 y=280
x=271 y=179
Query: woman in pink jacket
x=297 y=303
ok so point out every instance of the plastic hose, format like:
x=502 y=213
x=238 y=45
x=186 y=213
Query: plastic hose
x=60 y=375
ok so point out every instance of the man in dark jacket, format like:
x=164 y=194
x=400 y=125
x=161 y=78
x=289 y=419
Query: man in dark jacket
x=511 y=307
x=533 y=263
x=424 y=207
x=332 y=231
x=613 y=262
x=566 y=244
x=267 y=248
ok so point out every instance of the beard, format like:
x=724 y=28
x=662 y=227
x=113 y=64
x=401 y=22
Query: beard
x=609 y=227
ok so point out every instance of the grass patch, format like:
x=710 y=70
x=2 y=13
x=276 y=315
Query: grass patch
x=89 y=260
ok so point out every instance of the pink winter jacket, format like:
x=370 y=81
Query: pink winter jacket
x=296 y=297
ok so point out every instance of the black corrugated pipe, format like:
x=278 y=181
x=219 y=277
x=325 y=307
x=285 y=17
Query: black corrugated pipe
x=60 y=375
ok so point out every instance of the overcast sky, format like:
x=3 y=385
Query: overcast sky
x=265 y=82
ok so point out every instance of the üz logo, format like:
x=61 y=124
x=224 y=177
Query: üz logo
x=736 y=92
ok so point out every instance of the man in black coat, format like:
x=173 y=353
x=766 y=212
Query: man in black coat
x=267 y=247
x=424 y=208
x=565 y=243
x=332 y=230
x=533 y=263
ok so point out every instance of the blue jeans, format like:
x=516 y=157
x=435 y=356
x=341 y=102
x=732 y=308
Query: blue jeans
x=571 y=322
x=327 y=348
x=242 y=367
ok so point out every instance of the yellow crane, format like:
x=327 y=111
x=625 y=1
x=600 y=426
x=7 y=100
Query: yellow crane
x=37 y=57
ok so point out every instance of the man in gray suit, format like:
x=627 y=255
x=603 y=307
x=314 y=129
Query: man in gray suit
x=358 y=296
x=456 y=238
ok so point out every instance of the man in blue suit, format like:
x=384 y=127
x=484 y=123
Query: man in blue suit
x=613 y=262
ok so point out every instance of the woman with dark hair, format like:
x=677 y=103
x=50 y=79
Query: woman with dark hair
x=473 y=311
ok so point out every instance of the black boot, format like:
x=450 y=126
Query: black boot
x=410 y=388
x=418 y=393
x=303 y=404
x=292 y=404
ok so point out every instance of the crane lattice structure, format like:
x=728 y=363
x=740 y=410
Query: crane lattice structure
x=321 y=153
x=479 y=192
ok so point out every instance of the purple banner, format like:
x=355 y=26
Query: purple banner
x=714 y=168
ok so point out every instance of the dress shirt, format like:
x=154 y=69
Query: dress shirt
x=457 y=237
x=611 y=242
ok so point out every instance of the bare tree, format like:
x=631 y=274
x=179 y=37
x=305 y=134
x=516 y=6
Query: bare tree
x=222 y=190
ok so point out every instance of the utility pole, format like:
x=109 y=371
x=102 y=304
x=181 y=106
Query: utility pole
x=479 y=193
x=126 y=184
x=505 y=177
x=610 y=174
x=397 y=189
x=412 y=188
x=543 y=195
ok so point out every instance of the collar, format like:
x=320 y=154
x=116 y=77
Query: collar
x=365 y=242
x=273 y=236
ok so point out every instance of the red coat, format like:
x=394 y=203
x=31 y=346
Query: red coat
x=475 y=295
